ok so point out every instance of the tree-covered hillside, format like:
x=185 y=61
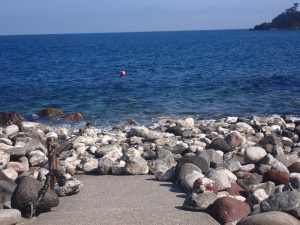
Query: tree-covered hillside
x=290 y=19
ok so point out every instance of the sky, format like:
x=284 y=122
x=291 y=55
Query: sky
x=99 y=16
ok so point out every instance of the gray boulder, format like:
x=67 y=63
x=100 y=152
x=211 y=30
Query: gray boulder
x=136 y=166
x=105 y=165
x=27 y=191
x=186 y=169
x=219 y=144
x=202 y=162
x=199 y=202
x=283 y=201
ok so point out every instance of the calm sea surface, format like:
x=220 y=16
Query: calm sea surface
x=199 y=73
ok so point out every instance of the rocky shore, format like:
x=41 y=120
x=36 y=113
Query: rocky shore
x=239 y=170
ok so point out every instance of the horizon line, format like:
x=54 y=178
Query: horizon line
x=122 y=32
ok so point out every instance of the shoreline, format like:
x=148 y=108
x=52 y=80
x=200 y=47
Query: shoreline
x=207 y=159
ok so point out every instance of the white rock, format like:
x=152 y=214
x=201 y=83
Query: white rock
x=106 y=139
x=81 y=150
x=5 y=146
x=5 y=141
x=10 y=174
x=12 y=129
x=220 y=153
x=254 y=154
x=137 y=166
x=37 y=158
x=132 y=152
x=223 y=194
x=4 y=159
x=190 y=178
x=90 y=166
x=290 y=126
x=90 y=132
x=259 y=195
x=222 y=178
x=275 y=128
x=188 y=122
x=243 y=128
x=247 y=168
x=52 y=135
x=92 y=149
x=231 y=119
x=62 y=132
x=72 y=187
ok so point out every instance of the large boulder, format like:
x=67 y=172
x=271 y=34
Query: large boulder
x=222 y=177
x=234 y=139
x=10 y=216
x=105 y=165
x=27 y=191
x=186 y=169
x=270 y=218
x=136 y=166
x=219 y=144
x=74 y=116
x=11 y=129
x=202 y=162
x=8 y=118
x=282 y=201
x=90 y=166
x=226 y=209
x=50 y=112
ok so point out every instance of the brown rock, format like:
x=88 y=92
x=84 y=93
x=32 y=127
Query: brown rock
x=276 y=176
x=8 y=118
x=294 y=168
x=227 y=209
x=236 y=189
x=17 y=167
x=74 y=116
x=205 y=185
x=244 y=175
x=50 y=112
x=234 y=139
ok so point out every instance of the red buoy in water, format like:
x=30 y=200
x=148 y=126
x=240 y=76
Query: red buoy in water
x=123 y=73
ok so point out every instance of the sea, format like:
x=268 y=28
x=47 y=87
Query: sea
x=203 y=74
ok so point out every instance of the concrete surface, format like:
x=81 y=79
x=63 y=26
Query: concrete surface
x=116 y=200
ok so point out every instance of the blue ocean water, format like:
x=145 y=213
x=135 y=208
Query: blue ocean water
x=197 y=73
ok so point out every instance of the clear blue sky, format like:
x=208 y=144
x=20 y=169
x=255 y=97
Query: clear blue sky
x=93 y=16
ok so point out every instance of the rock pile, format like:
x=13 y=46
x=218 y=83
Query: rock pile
x=233 y=168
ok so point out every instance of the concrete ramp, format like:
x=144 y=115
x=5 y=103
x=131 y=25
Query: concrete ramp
x=122 y=200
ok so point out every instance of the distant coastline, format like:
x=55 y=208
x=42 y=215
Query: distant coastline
x=288 y=20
